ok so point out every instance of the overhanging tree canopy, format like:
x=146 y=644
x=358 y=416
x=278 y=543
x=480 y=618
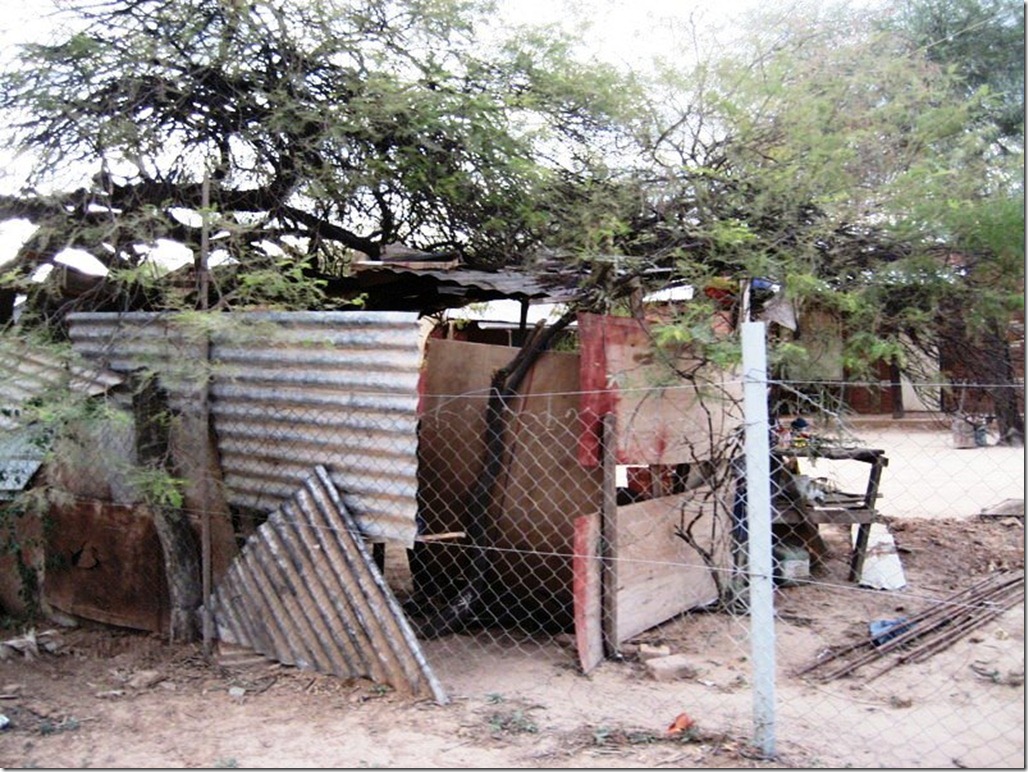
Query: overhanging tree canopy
x=842 y=154
x=323 y=128
x=838 y=156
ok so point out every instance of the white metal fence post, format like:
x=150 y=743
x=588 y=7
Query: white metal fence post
x=758 y=526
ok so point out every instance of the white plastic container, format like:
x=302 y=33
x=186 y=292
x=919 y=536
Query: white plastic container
x=792 y=564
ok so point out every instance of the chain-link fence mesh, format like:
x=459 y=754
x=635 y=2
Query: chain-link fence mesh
x=547 y=574
x=901 y=645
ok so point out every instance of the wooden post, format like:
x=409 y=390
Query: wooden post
x=586 y=582
x=202 y=281
x=864 y=529
x=609 y=537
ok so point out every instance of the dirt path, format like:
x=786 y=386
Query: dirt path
x=111 y=698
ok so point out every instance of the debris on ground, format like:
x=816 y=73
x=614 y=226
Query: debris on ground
x=683 y=723
x=1012 y=508
x=987 y=672
x=924 y=634
x=30 y=643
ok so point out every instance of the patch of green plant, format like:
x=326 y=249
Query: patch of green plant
x=512 y=722
x=280 y=283
x=641 y=738
x=158 y=487
x=15 y=543
x=690 y=735
x=48 y=727
x=566 y=343
x=605 y=735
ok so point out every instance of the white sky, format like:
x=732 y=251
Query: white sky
x=629 y=32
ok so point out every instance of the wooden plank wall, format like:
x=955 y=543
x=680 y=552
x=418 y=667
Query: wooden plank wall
x=661 y=419
x=545 y=490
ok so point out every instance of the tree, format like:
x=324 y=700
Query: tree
x=983 y=40
x=982 y=43
x=320 y=128
x=832 y=156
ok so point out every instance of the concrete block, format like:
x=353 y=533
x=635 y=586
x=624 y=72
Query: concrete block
x=648 y=651
x=672 y=668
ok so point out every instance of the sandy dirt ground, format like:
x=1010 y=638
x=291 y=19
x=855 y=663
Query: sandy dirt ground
x=115 y=698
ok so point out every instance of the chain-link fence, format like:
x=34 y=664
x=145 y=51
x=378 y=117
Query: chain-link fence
x=897 y=558
x=538 y=548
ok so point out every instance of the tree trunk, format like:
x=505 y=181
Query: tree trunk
x=896 y=390
x=505 y=384
x=178 y=541
x=1003 y=388
x=182 y=569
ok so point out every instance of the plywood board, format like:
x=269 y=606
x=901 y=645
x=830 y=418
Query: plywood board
x=541 y=491
x=662 y=417
x=659 y=574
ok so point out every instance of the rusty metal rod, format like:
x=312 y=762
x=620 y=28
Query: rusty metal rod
x=916 y=619
x=977 y=619
x=939 y=627
x=938 y=616
x=950 y=636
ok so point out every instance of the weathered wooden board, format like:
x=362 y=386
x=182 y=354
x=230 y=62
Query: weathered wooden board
x=659 y=574
x=609 y=532
x=661 y=417
x=541 y=491
x=586 y=565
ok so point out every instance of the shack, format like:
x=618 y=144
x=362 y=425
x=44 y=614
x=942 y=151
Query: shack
x=393 y=428
x=578 y=435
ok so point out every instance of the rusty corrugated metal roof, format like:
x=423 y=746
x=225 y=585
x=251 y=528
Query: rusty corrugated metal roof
x=26 y=374
x=289 y=391
x=394 y=286
x=511 y=284
x=306 y=591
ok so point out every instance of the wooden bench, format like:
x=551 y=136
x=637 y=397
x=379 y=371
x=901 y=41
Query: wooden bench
x=836 y=506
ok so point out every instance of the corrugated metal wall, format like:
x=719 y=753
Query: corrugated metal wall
x=289 y=391
x=306 y=592
x=26 y=373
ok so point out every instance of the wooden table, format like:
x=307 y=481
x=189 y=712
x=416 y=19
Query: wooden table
x=837 y=507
